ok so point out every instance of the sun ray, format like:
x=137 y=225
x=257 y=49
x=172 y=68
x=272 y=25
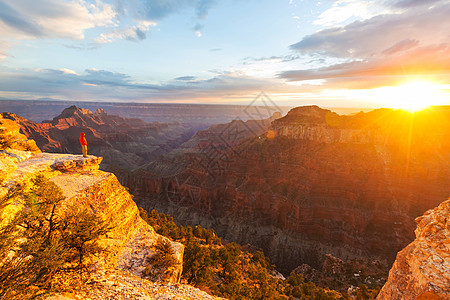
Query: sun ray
x=414 y=95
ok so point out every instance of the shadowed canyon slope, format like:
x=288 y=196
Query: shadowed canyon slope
x=314 y=183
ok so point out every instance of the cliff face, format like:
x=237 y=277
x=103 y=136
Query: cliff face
x=129 y=242
x=422 y=269
x=314 y=183
x=131 y=239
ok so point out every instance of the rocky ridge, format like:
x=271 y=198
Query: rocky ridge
x=422 y=269
x=129 y=241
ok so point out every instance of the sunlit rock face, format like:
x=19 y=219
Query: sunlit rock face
x=130 y=241
x=422 y=269
x=314 y=183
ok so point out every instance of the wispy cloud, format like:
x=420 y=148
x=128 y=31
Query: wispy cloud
x=93 y=84
x=130 y=33
x=343 y=10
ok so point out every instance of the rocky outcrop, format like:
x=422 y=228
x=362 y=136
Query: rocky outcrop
x=12 y=146
x=422 y=269
x=131 y=240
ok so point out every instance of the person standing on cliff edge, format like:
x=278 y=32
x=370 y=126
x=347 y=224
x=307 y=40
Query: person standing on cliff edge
x=83 y=143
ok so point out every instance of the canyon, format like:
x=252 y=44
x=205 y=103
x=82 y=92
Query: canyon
x=300 y=187
x=313 y=183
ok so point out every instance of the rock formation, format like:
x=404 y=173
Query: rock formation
x=422 y=269
x=130 y=240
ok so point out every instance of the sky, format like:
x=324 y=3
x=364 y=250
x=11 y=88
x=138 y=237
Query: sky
x=342 y=53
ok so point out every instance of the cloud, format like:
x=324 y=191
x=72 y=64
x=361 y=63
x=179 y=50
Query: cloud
x=401 y=46
x=414 y=3
x=69 y=71
x=361 y=39
x=130 y=33
x=158 y=9
x=23 y=19
x=198 y=29
x=103 y=85
x=342 y=10
x=52 y=18
x=186 y=78
x=203 y=8
x=15 y=20
x=128 y=20
x=281 y=58
x=433 y=62
x=382 y=49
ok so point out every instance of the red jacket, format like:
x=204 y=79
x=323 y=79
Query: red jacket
x=83 y=141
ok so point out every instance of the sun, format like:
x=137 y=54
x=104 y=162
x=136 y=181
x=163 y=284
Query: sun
x=415 y=95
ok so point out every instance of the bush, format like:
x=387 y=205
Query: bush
x=32 y=250
x=160 y=263
x=5 y=140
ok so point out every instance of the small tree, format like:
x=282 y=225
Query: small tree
x=81 y=231
x=5 y=140
x=161 y=261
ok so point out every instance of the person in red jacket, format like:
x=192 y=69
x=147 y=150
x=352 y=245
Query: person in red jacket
x=83 y=143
